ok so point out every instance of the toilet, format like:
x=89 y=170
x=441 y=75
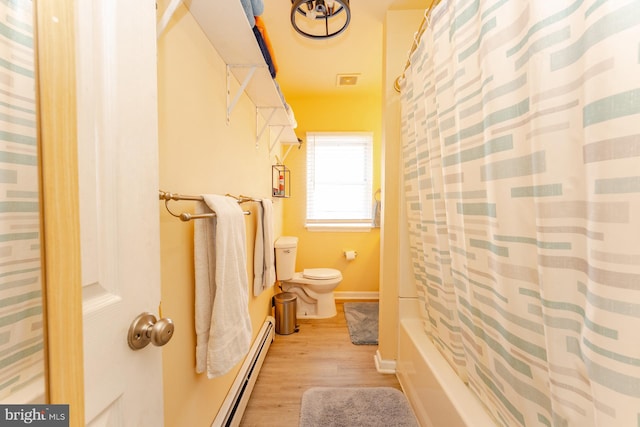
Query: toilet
x=313 y=286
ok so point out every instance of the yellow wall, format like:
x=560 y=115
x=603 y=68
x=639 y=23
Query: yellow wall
x=326 y=249
x=200 y=153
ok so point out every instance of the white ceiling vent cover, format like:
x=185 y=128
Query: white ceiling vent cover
x=347 y=79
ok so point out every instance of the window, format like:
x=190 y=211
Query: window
x=339 y=175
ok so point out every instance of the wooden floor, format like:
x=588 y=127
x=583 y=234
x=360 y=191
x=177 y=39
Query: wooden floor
x=320 y=355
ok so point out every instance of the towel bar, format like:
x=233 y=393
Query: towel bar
x=186 y=216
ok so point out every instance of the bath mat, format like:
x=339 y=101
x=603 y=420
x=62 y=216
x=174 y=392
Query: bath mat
x=362 y=321
x=355 y=406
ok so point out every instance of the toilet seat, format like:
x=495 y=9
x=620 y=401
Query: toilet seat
x=320 y=273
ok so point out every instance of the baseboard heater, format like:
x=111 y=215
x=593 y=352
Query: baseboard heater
x=234 y=404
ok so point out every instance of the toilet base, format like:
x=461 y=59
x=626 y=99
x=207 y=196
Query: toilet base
x=313 y=311
x=320 y=306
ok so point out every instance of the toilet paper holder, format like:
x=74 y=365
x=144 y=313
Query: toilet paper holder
x=350 y=255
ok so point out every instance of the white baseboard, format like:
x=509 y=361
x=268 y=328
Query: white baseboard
x=356 y=295
x=384 y=366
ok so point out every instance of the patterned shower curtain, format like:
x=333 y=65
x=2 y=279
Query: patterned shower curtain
x=521 y=151
x=21 y=321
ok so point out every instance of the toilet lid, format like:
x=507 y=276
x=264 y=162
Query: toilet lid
x=320 y=273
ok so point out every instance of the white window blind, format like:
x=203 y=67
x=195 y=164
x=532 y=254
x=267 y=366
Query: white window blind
x=339 y=175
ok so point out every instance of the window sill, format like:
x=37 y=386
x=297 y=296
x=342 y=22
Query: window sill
x=339 y=228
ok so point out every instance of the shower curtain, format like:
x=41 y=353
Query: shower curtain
x=521 y=157
x=21 y=321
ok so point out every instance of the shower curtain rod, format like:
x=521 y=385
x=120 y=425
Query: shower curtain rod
x=186 y=216
x=416 y=43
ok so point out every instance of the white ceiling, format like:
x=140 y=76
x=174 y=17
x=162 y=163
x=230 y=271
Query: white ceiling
x=307 y=66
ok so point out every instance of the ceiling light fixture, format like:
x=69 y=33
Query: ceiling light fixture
x=320 y=19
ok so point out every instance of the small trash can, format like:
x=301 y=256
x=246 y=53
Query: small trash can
x=285 y=313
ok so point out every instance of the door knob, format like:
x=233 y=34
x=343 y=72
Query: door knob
x=161 y=332
x=147 y=329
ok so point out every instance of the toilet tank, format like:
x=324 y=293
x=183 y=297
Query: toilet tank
x=286 y=248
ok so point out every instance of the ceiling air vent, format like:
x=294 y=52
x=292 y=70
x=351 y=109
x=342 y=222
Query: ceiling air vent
x=347 y=79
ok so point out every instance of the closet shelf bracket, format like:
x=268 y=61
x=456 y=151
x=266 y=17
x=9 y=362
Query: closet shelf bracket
x=287 y=153
x=290 y=144
x=266 y=123
x=231 y=103
x=275 y=141
x=166 y=17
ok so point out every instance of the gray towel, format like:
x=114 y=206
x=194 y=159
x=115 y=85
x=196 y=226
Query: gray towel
x=252 y=8
x=377 y=206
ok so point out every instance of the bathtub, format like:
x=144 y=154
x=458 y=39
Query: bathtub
x=437 y=395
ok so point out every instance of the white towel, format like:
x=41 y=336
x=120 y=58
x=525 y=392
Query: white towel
x=223 y=324
x=264 y=273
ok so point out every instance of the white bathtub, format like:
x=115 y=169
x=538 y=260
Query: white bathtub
x=437 y=395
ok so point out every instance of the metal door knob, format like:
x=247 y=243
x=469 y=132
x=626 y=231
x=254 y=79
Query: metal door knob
x=147 y=329
x=161 y=332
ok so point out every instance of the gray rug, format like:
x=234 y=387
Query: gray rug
x=362 y=321
x=355 y=406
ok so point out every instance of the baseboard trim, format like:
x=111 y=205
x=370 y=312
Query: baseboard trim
x=384 y=366
x=356 y=295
